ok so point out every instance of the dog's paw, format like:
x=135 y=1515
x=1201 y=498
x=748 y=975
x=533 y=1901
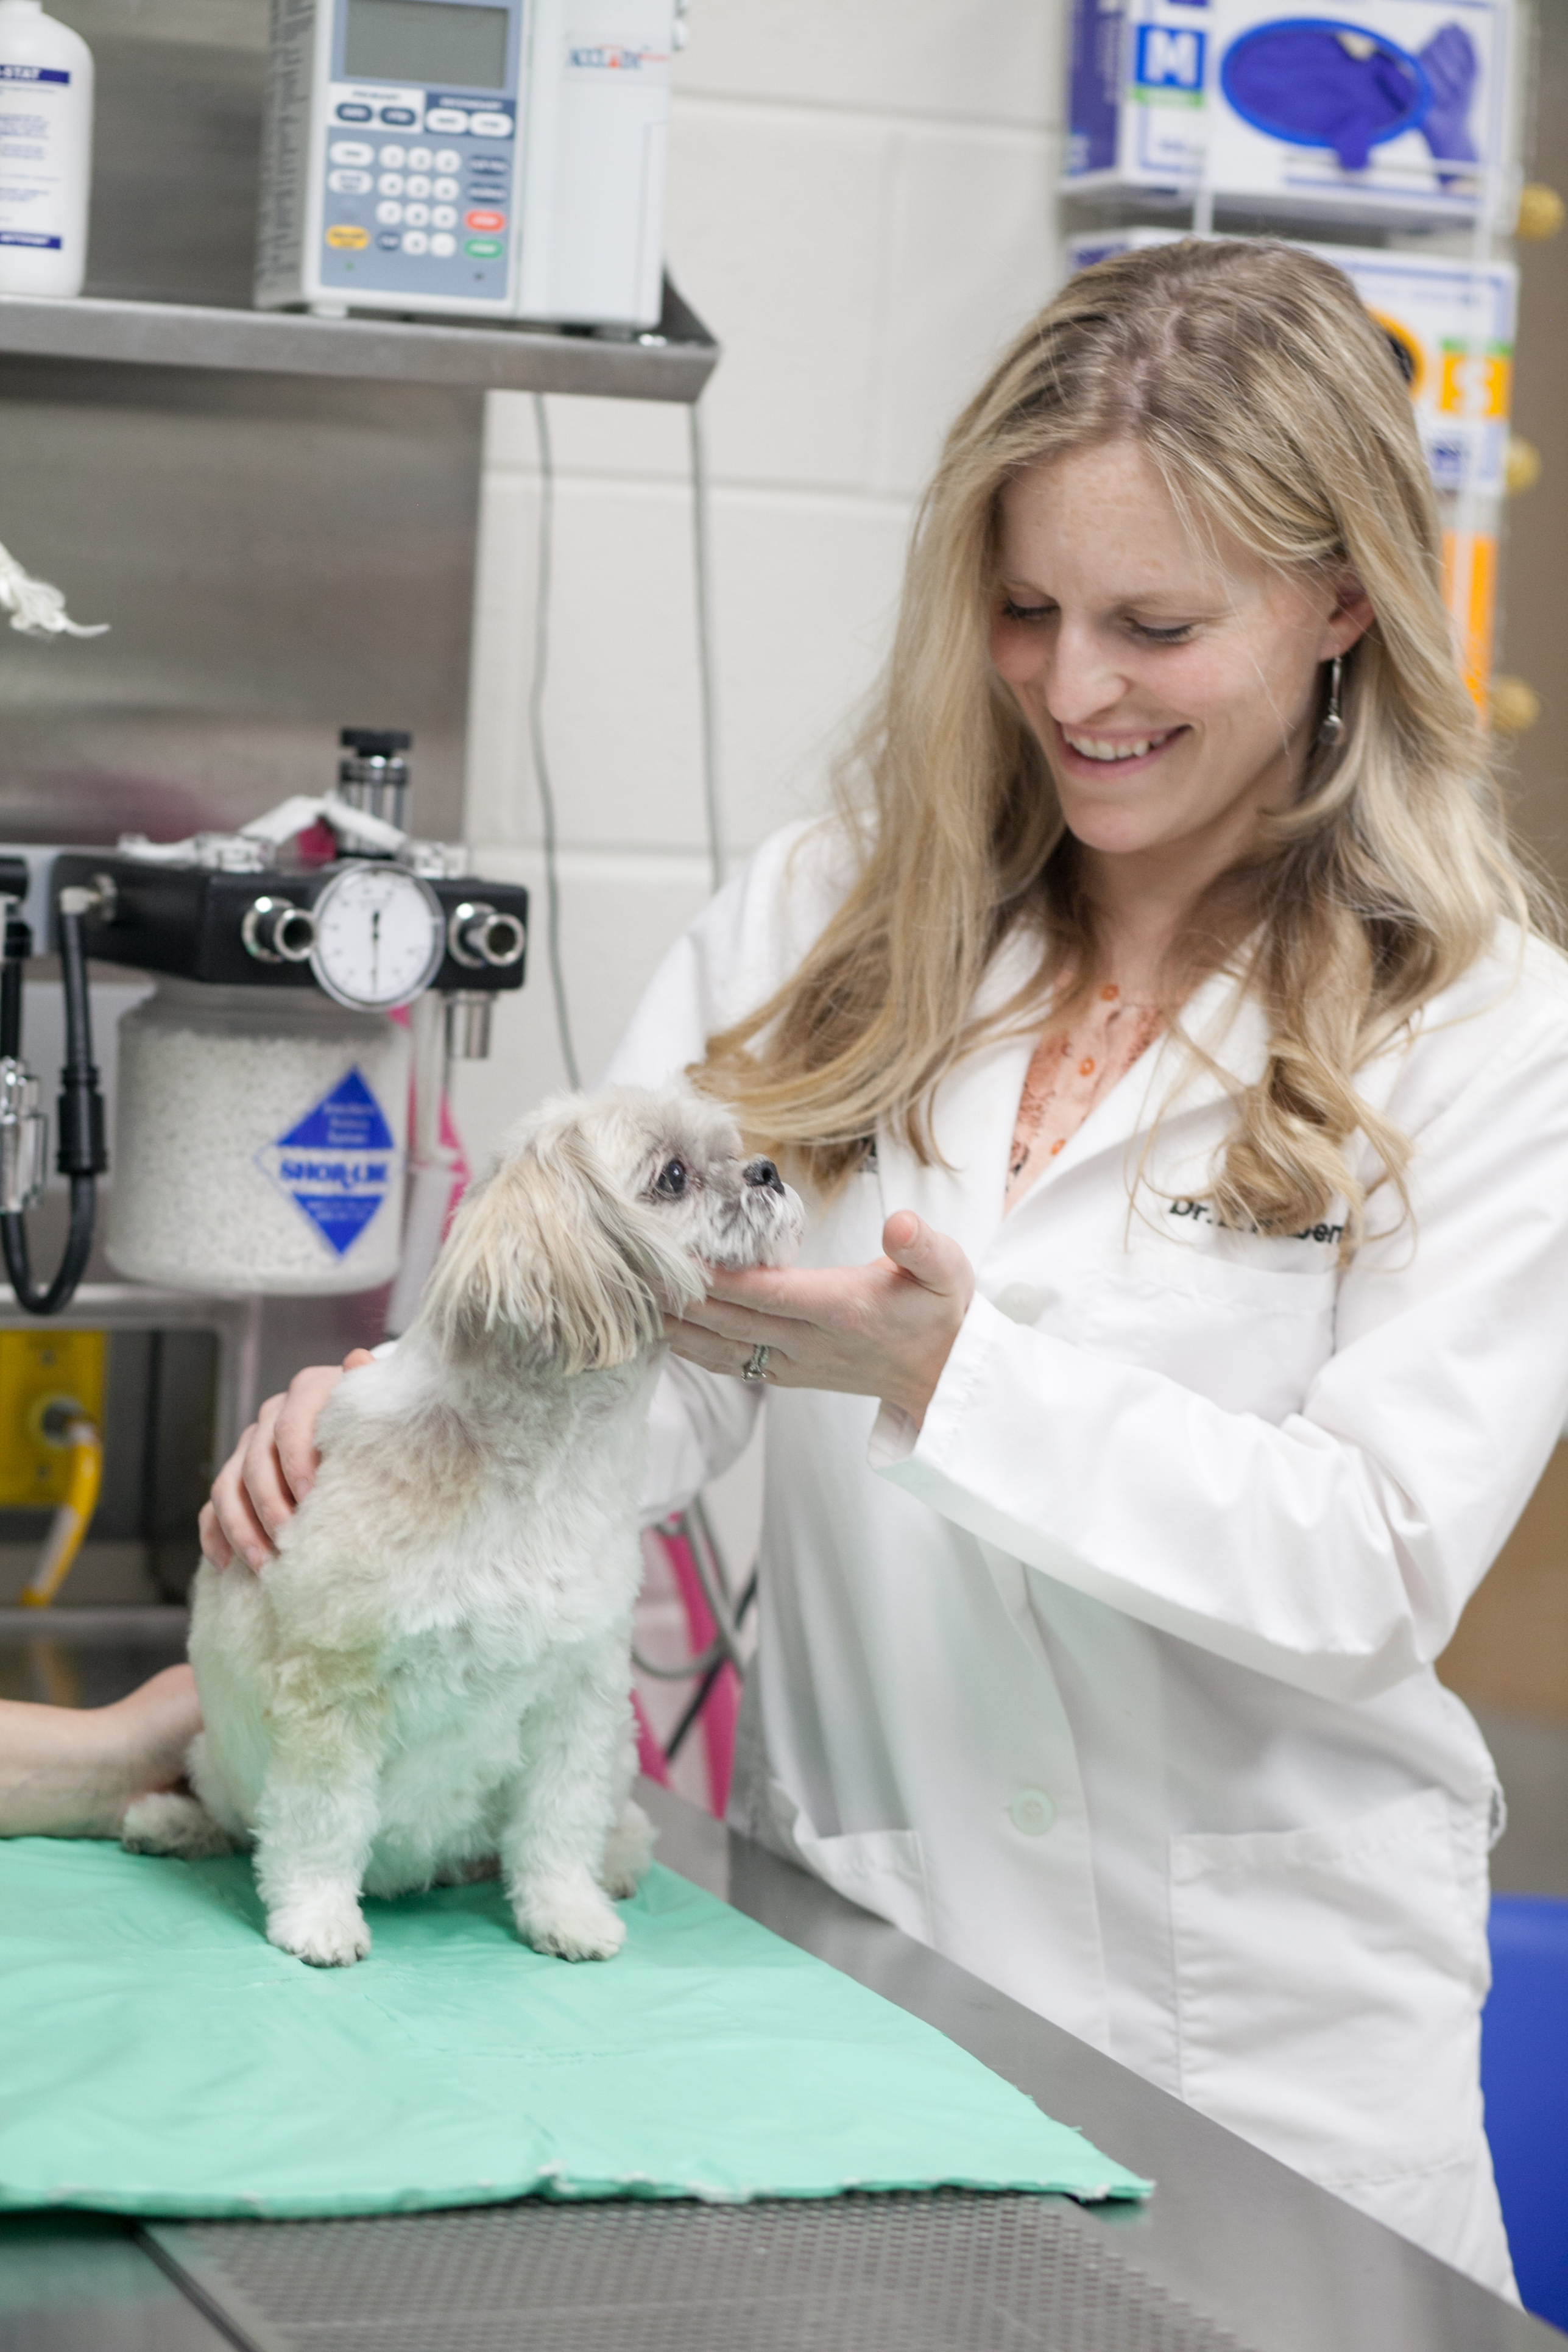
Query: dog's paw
x=172 y=1824
x=326 y=1930
x=572 y=1922
x=628 y=1851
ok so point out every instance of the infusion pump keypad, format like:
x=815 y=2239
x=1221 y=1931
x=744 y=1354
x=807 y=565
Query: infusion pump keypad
x=417 y=194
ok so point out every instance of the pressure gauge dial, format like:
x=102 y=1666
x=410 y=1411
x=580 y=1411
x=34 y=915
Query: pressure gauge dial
x=380 y=937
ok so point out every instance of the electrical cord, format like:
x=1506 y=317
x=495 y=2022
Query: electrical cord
x=704 y=1691
x=707 y=676
x=82 y=1155
x=536 y=737
x=708 y=696
x=692 y=1528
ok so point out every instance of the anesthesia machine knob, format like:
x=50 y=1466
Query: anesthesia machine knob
x=277 y=932
x=477 y=935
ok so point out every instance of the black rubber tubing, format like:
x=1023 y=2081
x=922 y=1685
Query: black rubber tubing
x=82 y=1155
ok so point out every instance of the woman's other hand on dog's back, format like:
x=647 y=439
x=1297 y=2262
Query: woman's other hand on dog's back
x=271 y=1470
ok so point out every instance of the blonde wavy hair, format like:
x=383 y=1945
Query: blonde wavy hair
x=1271 y=405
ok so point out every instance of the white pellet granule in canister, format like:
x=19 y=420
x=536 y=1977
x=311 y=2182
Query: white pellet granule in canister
x=259 y=1146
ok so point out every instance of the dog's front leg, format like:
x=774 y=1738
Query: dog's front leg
x=563 y=1806
x=318 y=1810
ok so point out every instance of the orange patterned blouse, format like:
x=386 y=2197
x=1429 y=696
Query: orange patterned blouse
x=1071 y=1068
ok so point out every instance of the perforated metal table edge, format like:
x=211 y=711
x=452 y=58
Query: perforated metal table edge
x=897 y=2272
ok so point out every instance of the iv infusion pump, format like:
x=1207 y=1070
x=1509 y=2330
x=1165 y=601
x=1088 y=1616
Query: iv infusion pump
x=499 y=159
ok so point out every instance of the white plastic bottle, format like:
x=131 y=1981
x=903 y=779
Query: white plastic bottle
x=45 y=151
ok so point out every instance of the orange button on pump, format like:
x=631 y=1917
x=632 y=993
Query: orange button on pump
x=343 y=235
x=484 y=220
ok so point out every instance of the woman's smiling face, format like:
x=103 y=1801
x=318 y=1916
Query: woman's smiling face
x=1169 y=674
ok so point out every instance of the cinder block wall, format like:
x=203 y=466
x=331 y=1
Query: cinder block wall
x=862 y=209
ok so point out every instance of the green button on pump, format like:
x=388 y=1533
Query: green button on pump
x=484 y=248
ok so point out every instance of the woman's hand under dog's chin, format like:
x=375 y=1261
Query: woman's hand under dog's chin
x=885 y=1329
x=271 y=1470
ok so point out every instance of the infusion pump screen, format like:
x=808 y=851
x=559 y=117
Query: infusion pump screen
x=428 y=41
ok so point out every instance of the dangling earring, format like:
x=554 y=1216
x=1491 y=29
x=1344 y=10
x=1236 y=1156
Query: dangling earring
x=1333 y=725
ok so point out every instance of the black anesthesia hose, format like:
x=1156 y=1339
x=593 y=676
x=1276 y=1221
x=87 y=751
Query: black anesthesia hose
x=81 y=1158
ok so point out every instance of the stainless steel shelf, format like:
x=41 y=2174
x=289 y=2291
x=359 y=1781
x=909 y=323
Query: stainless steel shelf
x=280 y=342
x=135 y=1625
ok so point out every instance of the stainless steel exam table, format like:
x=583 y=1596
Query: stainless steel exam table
x=1232 y=2251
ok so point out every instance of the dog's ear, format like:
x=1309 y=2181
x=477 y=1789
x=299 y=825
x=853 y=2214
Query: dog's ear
x=550 y=1247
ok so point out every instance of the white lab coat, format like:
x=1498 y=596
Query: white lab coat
x=1114 y=1682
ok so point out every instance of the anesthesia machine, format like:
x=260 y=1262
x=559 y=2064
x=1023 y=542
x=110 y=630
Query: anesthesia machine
x=261 y=1119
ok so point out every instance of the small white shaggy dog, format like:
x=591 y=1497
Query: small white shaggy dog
x=433 y=1678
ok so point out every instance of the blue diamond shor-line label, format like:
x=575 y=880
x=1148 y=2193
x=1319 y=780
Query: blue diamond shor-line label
x=338 y=1164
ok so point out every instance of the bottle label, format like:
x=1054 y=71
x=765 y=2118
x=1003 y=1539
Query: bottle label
x=30 y=190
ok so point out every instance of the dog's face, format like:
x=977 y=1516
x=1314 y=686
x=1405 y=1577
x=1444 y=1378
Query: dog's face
x=599 y=1216
x=682 y=1157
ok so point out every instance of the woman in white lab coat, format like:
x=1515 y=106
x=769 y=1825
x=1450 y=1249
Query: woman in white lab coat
x=1182 y=1107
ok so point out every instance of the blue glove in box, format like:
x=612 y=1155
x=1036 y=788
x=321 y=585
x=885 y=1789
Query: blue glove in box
x=1392 y=111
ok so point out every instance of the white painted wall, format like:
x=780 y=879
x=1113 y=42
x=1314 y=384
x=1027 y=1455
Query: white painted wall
x=862 y=210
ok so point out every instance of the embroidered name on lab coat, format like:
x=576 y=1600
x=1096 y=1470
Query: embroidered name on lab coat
x=1201 y=1213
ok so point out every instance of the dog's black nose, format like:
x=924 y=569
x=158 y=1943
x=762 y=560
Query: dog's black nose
x=764 y=1175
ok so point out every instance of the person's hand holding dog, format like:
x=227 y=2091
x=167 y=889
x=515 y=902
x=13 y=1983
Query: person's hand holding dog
x=271 y=1470
x=885 y=1329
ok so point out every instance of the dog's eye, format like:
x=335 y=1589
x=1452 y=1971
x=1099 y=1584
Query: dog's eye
x=671 y=1180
